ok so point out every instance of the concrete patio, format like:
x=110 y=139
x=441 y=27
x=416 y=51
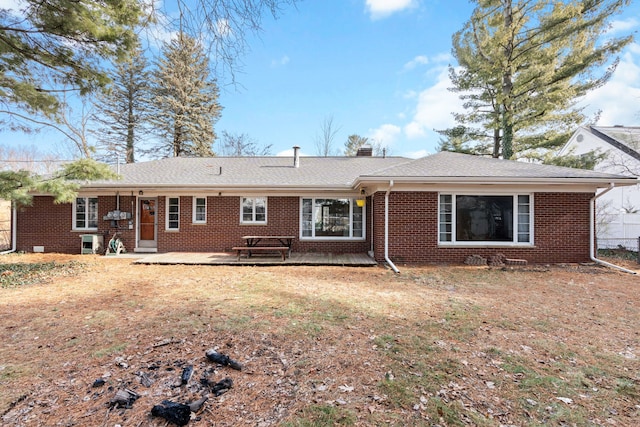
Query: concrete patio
x=209 y=258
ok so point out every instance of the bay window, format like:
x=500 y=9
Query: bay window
x=331 y=218
x=482 y=219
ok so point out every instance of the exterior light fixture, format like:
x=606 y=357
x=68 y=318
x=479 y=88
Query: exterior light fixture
x=361 y=201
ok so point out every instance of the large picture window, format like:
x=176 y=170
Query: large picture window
x=85 y=213
x=173 y=213
x=253 y=210
x=331 y=218
x=471 y=219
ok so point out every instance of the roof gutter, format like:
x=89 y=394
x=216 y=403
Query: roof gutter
x=621 y=181
x=592 y=234
x=14 y=231
x=386 y=229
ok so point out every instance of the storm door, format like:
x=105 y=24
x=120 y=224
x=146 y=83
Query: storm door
x=148 y=222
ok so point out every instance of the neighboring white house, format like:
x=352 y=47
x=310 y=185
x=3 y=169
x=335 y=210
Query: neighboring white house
x=618 y=211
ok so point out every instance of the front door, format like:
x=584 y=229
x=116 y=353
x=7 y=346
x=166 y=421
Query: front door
x=148 y=222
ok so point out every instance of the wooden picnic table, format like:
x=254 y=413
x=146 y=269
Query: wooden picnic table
x=283 y=240
x=252 y=242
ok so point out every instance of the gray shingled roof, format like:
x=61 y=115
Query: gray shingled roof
x=456 y=165
x=624 y=138
x=335 y=173
x=268 y=172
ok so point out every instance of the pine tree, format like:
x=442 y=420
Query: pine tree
x=523 y=66
x=122 y=112
x=58 y=43
x=185 y=100
x=354 y=142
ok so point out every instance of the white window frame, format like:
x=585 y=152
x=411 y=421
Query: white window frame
x=195 y=210
x=87 y=212
x=352 y=203
x=486 y=243
x=168 y=213
x=253 y=210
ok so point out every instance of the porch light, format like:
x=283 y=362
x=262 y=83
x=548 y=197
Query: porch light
x=360 y=202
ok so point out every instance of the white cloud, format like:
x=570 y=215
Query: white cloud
x=385 y=135
x=418 y=60
x=416 y=154
x=223 y=28
x=434 y=108
x=623 y=25
x=410 y=94
x=425 y=60
x=280 y=62
x=11 y=4
x=619 y=99
x=382 y=8
x=442 y=57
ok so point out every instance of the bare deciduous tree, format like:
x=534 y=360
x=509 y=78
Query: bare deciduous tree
x=242 y=145
x=226 y=24
x=324 y=140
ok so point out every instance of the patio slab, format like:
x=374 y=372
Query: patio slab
x=208 y=258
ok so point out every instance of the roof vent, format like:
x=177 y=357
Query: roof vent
x=365 y=151
x=296 y=156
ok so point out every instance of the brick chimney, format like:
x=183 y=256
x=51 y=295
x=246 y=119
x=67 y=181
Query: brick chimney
x=365 y=151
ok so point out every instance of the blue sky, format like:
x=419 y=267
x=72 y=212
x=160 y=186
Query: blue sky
x=379 y=69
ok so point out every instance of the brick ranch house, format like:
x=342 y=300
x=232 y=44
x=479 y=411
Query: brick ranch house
x=438 y=209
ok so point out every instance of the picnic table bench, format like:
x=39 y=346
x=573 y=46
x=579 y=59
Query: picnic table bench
x=282 y=244
x=249 y=249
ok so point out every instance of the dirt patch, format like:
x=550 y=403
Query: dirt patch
x=320 y=346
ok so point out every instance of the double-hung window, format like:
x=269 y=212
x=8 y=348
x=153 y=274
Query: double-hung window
x=331 y=218
x=199 y=210
x=173 y=213
x=485 y=219
x=253 y=210
x=85 y=213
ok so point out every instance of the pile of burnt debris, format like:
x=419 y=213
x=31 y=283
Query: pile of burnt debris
x=179 y=413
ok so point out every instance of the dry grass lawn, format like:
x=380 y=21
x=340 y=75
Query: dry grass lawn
x=448 y=346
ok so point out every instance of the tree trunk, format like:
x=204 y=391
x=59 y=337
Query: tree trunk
x=496 y=143
x=507 y=85
x=130 y=132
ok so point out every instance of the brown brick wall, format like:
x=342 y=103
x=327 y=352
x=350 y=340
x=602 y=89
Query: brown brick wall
x=561 y=230
x=50 y=225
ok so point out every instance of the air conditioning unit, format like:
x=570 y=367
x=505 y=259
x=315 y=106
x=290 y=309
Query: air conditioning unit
x=91 y=243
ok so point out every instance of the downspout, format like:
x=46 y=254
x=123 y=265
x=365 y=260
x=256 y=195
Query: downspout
x=14 y=231
x=372 y=229
x=592 y=234
x=386 y=229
